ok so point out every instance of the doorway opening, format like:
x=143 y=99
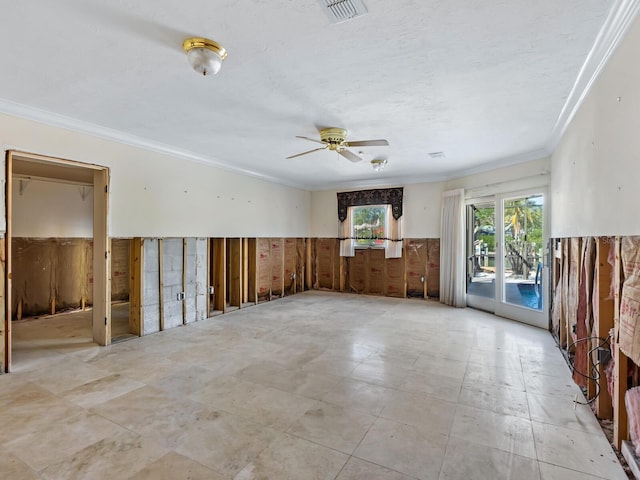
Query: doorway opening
x=56 y=256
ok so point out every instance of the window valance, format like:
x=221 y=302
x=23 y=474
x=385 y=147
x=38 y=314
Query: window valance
x=379 y=196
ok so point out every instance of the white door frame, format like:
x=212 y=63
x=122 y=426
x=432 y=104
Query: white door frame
x=101 y=320
x=497 y=305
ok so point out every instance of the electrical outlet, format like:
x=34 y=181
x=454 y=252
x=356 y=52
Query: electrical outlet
x=604 y=354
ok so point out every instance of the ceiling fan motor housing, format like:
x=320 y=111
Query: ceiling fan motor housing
x=334 y=136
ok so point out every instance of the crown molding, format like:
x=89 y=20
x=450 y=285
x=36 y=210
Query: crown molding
x=60 y=121
x=618 y=21
x=410 y=180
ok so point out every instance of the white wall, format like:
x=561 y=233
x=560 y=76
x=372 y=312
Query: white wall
x=596 y=166
x=46 y=209
x=422 y=201
x=506 y=179
x=421 y=211
x=155 y=195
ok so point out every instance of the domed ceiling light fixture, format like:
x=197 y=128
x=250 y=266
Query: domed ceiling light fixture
x=204 y=55
x=378 y=164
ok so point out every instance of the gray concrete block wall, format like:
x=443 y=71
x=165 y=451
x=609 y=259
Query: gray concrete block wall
x=190 y=287
x=151 y=292
x=172 y=252
x=201 y=278
x=196 y=282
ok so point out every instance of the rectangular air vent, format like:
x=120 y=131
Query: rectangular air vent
x=437 y=155
x=340 y=11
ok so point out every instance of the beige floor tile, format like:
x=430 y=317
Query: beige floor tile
x=466 y=460
x=562 y=411
x=380 y=373
x=493 y=375
x=421 y=411
x=403 y=448
x=548 y=385
x=226 y=443
x=298 y=381
x=175 y=467
x=496 y=357
x=65 y=374
x=60 y=439
x=581 y=451
x=332 y=365
x=186 y=382
x=504 y=432
x=221 y=393
x=150 y=412
x=357 y=469
x=496 y=399
x=13 y=468
x=359 y=395
x=292 y=458
x=27 y=415
x=101 y=390
x=553 y=472
x=332 y=426
x=118 y=456
x=428 y=364
x=435 y=385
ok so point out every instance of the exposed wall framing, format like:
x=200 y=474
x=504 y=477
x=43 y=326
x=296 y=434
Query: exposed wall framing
x=595 y=298
x=416 y=274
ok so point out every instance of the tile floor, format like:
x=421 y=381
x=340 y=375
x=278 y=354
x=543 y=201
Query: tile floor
x=315 y=386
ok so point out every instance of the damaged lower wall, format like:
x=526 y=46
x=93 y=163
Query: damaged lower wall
x=54 y=274
x=280 y=267
x=174 y=282
x=416 y=274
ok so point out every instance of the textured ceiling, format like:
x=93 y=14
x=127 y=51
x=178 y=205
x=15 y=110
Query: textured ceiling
x=483 y=82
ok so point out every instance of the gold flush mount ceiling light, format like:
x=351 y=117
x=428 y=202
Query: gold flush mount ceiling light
x=205 y=56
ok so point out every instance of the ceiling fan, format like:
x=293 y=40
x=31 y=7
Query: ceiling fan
x=335 y=139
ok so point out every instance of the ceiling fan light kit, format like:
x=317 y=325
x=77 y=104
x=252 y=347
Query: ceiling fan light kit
x=378 y=164
x=204 y=55
x=334 y=138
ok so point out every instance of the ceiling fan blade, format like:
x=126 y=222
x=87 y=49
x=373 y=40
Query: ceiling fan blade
x=311 y=139
x=368 y=143
x=349 y=155
x=310 y=151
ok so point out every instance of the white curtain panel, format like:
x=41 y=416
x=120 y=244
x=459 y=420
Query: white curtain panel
x=393 y=248
x=347 y=246
x=452 y=251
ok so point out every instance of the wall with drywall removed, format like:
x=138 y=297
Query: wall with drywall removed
x=596 y=167
x=157 y=195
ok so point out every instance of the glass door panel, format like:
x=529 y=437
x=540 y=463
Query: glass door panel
x=522 y=275
x=523 y=251
x=481 y=255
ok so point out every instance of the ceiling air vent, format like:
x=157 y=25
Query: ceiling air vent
x=437 y=155
x=340 y=11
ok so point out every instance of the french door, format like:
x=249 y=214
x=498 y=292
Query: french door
x=506 y=256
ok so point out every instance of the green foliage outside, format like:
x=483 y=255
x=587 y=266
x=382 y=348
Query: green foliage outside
x=369 y=225
x=523 y=223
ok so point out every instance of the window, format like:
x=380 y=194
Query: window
x=369 y=226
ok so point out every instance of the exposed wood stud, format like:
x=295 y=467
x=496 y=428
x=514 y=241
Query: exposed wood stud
x=604 y=320
x=620 y=420
x=136 y=287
